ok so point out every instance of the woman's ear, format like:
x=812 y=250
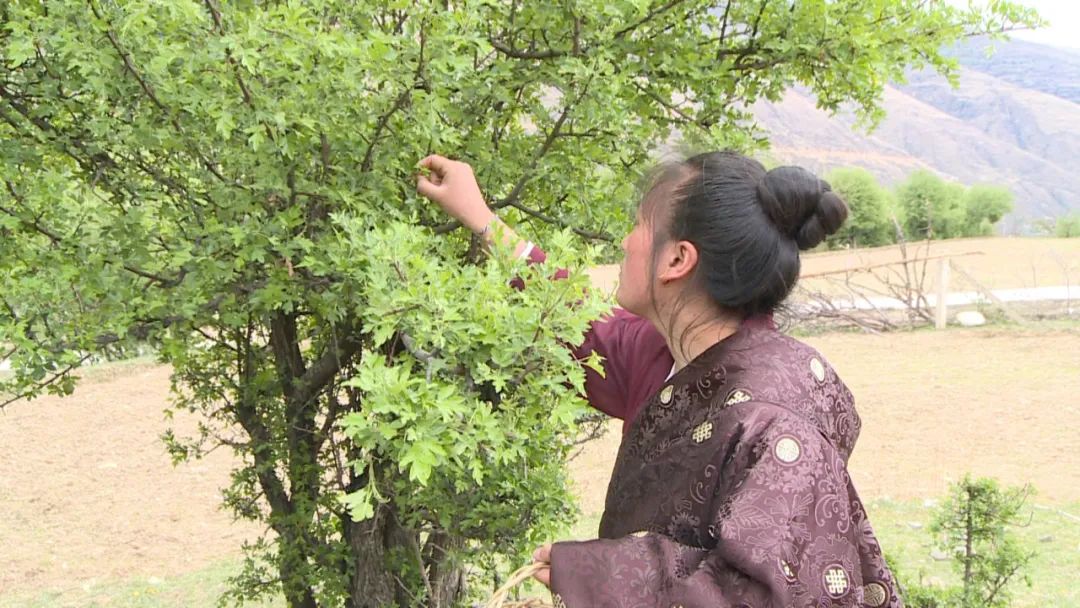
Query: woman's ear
x=679 y=260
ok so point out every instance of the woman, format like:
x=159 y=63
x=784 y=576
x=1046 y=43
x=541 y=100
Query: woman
x=731 y=486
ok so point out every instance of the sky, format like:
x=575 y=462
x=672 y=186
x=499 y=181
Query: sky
x=1064 y=27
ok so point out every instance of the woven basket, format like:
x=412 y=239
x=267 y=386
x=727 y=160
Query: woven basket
x=498 y=599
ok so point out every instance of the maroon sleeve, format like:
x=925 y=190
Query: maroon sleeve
x=635 y=356
x=636 y=361
x=787 y=530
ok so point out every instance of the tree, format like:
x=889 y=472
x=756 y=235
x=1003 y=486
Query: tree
x=232 y=184
x=973 y=524
x=984 y=206
x=933 y=207
x=870 y=222
x=1067 y=226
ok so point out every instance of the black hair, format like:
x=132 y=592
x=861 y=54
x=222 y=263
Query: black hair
x=748 y=225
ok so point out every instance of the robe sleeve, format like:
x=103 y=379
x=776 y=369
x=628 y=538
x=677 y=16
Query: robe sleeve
x=621 y=339
x=786 y=530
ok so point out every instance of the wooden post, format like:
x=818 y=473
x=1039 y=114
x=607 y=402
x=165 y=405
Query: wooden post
x=941 y=318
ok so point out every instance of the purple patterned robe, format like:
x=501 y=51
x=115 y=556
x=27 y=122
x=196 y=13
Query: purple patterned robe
x=731 y=489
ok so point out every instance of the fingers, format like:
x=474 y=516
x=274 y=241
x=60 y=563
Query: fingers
x=436 y=163
x=426 y=187
x=543 y=554
x=544 y=576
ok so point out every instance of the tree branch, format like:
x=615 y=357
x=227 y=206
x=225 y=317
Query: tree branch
x=380 y=125
x=261 y=441
x=648 y=17
x=37 y=386
x=35 y=225
x=324 y=369
x=400 y=102
x=519 y=54
x=666 y=104
x=147 y=89
x=287 y=356
x=515 y=193
x=215 y=14
x=595 y=236
x=58 y=241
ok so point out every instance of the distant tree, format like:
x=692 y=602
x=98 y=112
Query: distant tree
x=870 y=221
x=933 y=207
x=1068 y=226
x=984 y=206
x=973 y=525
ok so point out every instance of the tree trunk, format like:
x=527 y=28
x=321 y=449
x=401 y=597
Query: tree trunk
x=300 y=598
x=372 y=585
x=444 y=570
x=297 y=594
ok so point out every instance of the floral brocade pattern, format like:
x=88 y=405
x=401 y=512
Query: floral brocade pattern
x=736 y=470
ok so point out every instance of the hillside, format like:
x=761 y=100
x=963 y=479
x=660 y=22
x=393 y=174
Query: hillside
x=1005 y=125
x=1028 y=65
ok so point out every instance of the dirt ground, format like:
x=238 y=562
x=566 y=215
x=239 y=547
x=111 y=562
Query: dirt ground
x=87 y=491
x=935 y=405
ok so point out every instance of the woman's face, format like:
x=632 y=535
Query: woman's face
x=634 y=275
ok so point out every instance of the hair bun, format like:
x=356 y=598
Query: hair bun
x=803 y=207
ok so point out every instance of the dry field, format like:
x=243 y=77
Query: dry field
x=88 y=494
x=934 y=405
x=998 y=263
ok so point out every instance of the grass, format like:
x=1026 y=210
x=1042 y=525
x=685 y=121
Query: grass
x=190 y=590
x=1054 y=536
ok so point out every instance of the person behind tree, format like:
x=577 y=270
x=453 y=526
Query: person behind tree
x=731 y=485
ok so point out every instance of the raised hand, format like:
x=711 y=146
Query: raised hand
x=452 y=185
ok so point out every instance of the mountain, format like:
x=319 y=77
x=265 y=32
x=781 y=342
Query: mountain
x=1013 y=121
x=1048 y=69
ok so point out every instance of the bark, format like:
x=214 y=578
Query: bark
x=444 y=570
x=371 y=585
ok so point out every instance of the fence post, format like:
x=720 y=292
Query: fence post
x=942 y=314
